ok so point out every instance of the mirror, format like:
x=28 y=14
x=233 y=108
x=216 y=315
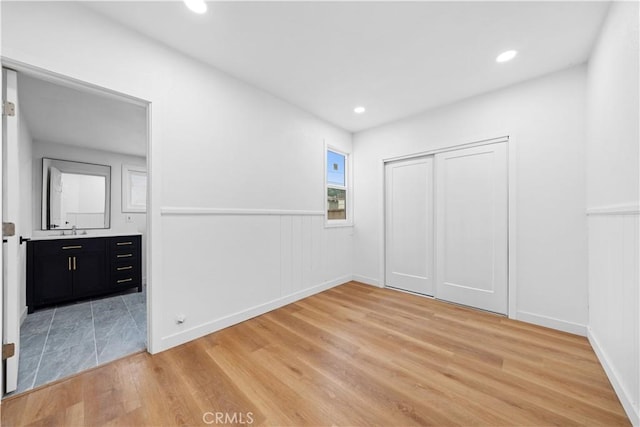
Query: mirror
x=75 y=194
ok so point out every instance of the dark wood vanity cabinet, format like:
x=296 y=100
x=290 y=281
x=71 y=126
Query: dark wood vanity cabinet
x=65 y=270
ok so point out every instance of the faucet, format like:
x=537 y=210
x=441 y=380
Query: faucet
x=74 y=231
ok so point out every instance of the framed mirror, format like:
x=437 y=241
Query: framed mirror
x=75 y=194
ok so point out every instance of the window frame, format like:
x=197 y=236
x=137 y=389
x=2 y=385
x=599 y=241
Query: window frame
x=127 y=206
x=348 y=222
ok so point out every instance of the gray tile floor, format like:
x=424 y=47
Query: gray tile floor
x=61 y=341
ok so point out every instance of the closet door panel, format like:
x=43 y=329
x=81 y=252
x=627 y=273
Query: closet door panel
x=409 y=225
x=471 y=227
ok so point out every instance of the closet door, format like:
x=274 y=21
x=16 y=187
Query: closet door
x=471 y=227
x=409 y=225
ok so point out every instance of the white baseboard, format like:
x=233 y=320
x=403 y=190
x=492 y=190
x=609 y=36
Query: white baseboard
x=232 y=319
x=633 y=412
x=23 y=315
x=551 y=322
x=367 y=280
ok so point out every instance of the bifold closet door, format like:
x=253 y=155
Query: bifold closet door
x=409 y=225
x=471 y=227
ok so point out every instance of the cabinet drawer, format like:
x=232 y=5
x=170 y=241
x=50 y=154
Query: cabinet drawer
x=125 y=278
x=125 y=243
x=125 y=267
x=68 y=246
x=123 y=256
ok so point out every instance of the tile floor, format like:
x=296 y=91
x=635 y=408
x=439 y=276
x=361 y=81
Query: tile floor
x=60 y=341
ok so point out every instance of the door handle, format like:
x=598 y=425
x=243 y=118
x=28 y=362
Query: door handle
x=24 y=239
x=74 y=263
x=69 y=259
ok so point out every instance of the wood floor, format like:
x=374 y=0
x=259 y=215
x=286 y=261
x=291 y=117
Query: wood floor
x=353 y=355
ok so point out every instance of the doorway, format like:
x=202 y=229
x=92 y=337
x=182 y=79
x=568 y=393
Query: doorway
x=446 y=226
x=60 y=118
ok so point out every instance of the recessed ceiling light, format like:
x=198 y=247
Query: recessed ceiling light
x=359 y=110
x=197 y=6
x=506 y=56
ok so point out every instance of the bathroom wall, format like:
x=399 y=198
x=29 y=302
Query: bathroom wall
x=119 y=222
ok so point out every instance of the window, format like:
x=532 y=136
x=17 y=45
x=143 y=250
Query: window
x=337 y=180
x=134 y=188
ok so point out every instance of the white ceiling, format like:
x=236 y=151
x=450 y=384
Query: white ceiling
x=394 y=58
x=62 y=114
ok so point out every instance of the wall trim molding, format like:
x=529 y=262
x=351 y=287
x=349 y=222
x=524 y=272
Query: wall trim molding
x=621 y=209
x=206 y=328
x=190 y=211
x=367 y=280
x=552 y=322
x=633 y=412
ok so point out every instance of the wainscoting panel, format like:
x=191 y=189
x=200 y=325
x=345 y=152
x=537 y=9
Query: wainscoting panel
x=243 y=263
x=614 y=299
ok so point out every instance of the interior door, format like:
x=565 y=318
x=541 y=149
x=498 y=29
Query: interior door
x=409 y=225
x=11 y=213
x=471 y=227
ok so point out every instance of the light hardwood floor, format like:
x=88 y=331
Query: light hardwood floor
x=353 y=355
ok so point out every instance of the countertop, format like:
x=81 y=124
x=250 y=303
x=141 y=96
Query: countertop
x=84 y=236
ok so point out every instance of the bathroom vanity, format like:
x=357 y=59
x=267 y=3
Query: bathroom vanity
x=69 y=268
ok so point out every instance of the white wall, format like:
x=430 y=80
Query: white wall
x=545 y=117
x=613 y=111
x=78 y=154
x=216 y=143
x=613 y=178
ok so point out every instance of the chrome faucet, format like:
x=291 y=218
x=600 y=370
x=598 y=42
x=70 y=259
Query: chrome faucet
x=74 y=231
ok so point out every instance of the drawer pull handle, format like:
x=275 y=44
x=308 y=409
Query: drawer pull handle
x=72 y=247
x=128 y=267
x=124 y=243
x=124 y=256
x=125 y=280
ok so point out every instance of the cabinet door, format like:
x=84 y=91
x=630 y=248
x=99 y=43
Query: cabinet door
x=89 y=273
x=53 y=274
